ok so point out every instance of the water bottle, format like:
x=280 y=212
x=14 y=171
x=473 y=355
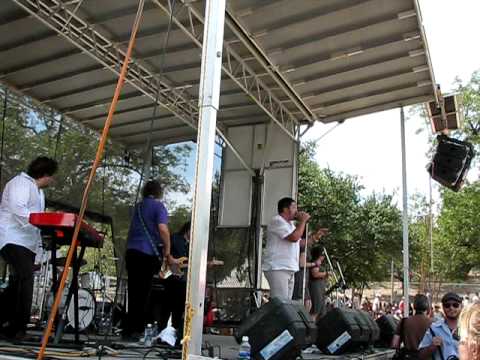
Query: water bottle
x=244 y=350
x=155 y=329
x=148 y=335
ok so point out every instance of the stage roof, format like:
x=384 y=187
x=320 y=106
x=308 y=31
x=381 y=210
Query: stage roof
x=293 y=62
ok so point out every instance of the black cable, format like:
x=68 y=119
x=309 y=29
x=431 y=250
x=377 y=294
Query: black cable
x=157 y=96
x=4 y=116
x=155 y=108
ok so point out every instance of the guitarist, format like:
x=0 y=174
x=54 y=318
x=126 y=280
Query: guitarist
x=176 y=283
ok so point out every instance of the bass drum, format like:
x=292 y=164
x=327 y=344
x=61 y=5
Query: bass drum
x=86 y=310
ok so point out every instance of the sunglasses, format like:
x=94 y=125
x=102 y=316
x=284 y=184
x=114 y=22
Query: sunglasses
x=451 y=304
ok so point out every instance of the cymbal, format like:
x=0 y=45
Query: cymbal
x=62 y=260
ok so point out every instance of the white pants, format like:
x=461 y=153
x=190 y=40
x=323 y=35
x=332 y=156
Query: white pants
x=281 y=283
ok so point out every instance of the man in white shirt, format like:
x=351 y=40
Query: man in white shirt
x=19 y=240
x=280 y=260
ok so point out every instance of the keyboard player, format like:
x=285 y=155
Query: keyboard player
x=20 y=241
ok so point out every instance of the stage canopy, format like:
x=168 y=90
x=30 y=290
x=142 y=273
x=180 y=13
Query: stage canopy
x=293 y=62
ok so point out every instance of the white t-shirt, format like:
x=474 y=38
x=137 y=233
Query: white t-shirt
x=280 y=254
x=20 y=197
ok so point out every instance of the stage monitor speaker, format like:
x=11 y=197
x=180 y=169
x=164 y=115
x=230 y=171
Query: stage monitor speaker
x=451 y=162
x=453 y=114
x=279 y=330
x=342 y=330
x=388 y=326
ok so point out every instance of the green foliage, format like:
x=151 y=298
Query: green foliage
x=364 y=233
x=456 y=234
x=31 y=131
x=458 y=246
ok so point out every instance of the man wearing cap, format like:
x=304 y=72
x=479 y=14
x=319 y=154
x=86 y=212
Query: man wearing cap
x=441 y=339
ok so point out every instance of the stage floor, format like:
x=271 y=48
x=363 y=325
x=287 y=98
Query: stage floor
x=221 y=347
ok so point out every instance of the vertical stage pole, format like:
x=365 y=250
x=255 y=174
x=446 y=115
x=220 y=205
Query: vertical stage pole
x=406 y=266
x=208 y=106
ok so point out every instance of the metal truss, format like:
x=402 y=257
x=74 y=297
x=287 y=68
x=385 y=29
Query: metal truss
x=55 y=15
x=83 y=35
x=239 y=71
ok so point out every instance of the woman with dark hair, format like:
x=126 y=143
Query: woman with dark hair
x=20 y=241
x=318 y=282
x=148 y=246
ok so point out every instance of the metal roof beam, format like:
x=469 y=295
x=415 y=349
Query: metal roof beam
x=238 y=69
x=349 y=68
x=163 y=141
x=318 y=59
x=379 y=107
x=258 y=54
x=336 y=33
x=224 y=121
x=357 y=83
x=86 y=37
x=345 y=100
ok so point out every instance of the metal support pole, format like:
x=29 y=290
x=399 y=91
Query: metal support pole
x=258 y=208
x=430 y=230
x=406 y=266
x=392 y=269
x=208 y=106
x=304 y=283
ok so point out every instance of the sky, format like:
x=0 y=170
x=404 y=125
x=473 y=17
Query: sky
x=369 y=146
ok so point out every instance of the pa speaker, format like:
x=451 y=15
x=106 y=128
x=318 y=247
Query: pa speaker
x=453 y=114
x=388 y=326
x=279 y=330
x=451 y=162
x=342 y=330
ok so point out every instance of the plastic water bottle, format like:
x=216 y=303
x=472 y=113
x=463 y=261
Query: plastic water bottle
x=148 y=335
x=155 y=329
x=244 y=350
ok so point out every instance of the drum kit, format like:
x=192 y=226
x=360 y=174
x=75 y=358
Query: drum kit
x=92 y=291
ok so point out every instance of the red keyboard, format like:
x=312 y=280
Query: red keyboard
x=59 y=226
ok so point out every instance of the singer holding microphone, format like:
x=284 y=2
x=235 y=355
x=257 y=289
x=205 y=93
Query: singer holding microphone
x=281 y=256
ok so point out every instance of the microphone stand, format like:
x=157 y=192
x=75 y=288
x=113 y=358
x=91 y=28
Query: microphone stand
x=305 y=265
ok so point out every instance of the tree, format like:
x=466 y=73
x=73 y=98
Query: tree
x=365 y=233
x=31 y=131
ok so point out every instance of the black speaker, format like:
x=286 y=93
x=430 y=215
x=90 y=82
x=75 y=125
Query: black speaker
x=279 y=330
x=342 y=330
x=451 y=162
x=388 y=325
x=453 y=114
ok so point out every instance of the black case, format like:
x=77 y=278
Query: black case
x=273 y=319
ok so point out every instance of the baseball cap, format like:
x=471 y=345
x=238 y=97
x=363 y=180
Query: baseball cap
x=451 y=296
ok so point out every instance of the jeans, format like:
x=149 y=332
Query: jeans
x=17 y=301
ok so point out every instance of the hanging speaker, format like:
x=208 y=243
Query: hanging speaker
x=453 y=114
x=451 y=162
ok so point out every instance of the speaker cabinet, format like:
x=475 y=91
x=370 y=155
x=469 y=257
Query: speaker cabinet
x=342 y=330
x=279 y=330
x=451 y=162
x=388 y=325
x=453 y=112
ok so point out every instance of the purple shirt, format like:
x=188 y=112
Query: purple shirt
x=154 y=213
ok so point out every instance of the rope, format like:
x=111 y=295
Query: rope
x=4 y=116
x=96 y=163
x=187 y=333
